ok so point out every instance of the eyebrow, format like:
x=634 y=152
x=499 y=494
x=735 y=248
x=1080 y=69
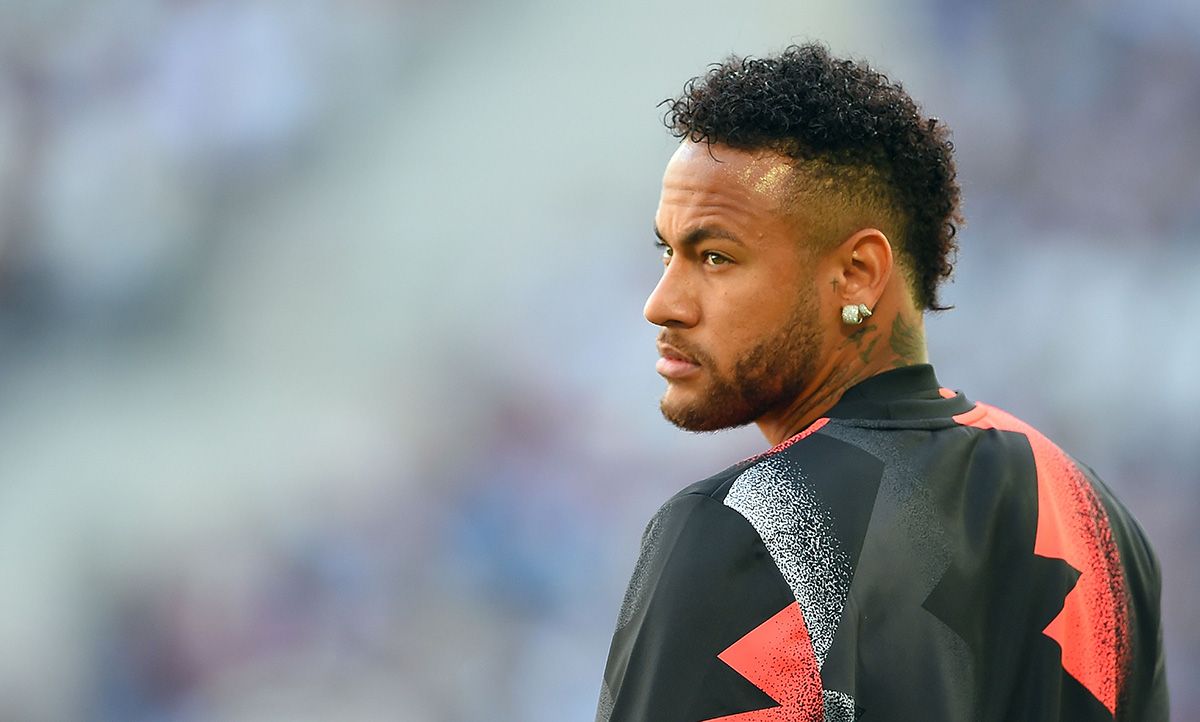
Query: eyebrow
x=703 y=233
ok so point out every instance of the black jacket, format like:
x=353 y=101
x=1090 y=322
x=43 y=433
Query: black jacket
x=910 y=556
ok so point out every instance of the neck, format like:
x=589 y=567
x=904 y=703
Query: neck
x=879 y=344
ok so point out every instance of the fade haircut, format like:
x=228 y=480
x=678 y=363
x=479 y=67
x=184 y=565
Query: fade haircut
x=859 y=143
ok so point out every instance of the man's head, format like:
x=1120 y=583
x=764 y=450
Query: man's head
x=798 y=177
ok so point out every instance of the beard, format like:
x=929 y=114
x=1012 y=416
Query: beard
x=767 y=377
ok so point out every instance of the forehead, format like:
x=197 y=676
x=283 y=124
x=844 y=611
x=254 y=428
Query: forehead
x=718 y=179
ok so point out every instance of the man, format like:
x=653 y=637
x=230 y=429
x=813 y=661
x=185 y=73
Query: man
x=902 y=553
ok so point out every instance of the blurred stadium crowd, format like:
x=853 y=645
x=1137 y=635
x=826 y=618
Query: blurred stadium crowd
x=325 y=390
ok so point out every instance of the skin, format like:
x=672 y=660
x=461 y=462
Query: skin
x=750 y=306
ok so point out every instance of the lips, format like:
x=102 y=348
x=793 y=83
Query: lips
x=674 y=364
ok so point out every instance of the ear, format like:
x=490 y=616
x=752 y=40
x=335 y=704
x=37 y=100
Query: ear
x=862 y=265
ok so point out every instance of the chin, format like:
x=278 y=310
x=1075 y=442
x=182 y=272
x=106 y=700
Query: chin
x=703 y=413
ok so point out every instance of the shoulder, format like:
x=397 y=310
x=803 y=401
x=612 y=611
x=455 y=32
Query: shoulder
x=810 y=459
x=820 y=487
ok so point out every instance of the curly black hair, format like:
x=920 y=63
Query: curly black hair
x=850 y=128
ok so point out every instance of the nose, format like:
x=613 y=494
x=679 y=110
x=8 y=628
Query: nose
x=672 y=302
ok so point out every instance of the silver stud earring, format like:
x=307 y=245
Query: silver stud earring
x=854 y=314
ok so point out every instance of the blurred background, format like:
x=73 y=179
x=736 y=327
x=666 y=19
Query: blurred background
x=324 y=387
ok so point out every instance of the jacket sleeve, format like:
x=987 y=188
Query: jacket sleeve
x=1145 y=695
x=703 y=582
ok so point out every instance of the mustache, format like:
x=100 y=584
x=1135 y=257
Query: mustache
x=693 y=352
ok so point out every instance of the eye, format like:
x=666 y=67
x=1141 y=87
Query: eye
x=713 y=258
x=664 y=249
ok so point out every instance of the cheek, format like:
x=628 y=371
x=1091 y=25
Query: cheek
x=741 y=322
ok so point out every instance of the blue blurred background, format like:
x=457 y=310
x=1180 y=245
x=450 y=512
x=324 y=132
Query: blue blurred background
x=324 y=387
